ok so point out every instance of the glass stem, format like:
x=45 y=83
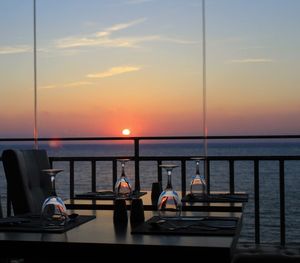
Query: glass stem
x=169 y=183
x=53 y=185
x=197 y=168
x=123 y=170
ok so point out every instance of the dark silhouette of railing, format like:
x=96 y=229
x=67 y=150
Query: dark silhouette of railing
x=255 y=160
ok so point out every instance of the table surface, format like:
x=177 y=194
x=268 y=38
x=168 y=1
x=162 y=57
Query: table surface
x=101 y=233
x=79 y=203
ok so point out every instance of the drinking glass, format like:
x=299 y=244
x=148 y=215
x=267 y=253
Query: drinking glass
x=198 y=183
x=169 y=204
x=123 y=187
x=54 y=211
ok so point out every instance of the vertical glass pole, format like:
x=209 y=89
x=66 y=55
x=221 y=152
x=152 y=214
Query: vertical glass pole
x=35 y=129
x=204 y=90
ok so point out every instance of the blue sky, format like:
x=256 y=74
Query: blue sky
x=142 y=59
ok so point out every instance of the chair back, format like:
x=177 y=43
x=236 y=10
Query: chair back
x=1 y=214
x=27 y=186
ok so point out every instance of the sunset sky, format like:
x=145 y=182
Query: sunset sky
x=106 y=65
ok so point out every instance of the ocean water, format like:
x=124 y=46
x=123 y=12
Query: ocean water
x=244 y=179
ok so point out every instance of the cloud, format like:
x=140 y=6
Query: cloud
x=105 y=38
x=114 y=71
x=122 y=26
x=77 y=84
x=101 y=38
x=104 y=74
x=251 y=60
x=5 y=50
x=52 y=86
x=67 y=85
x=105 y=42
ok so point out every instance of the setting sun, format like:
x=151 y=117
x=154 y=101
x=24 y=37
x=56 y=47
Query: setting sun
x=126 y=132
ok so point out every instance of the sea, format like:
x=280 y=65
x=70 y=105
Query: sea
x=219 y=176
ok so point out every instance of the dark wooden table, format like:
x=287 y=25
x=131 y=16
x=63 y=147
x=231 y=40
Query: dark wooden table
x=94 y=204
x=100 y=238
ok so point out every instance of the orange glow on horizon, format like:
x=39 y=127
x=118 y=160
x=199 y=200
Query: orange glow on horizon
x=55 y=144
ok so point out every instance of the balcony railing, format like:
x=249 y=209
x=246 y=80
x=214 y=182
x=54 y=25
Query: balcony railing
x=255 y=161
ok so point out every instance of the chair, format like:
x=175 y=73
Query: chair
x=1 y=214
x=4 y=259
x=27 y=186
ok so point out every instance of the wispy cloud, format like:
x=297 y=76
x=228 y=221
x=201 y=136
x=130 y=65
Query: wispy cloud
x=114 y=71
x=5 y=50
x=251 y=60
x=67 y=85
x=105 y=38
x=122 y=26
x=104 y=74
x=102 y=38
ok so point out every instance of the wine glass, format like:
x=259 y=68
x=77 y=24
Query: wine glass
x=54 y=211
x=169 y=204
x=198 y=184
x=123 y=187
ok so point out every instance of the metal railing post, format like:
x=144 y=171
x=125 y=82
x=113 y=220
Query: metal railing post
x=71 y=164
x=93 y=176
x=207 y=163
x=159 y=171
x=114 y=174
x=137 y=164
x=231 y=176
x=256 y=201
x=183 y=177
x=282 y=202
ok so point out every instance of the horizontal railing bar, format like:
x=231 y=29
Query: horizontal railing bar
x=174 y=158
x=179 y=158
x=215 y=137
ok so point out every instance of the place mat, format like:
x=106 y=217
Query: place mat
x=34 y=224
x=226 y=197
x=105 y=195
x=204 y=226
